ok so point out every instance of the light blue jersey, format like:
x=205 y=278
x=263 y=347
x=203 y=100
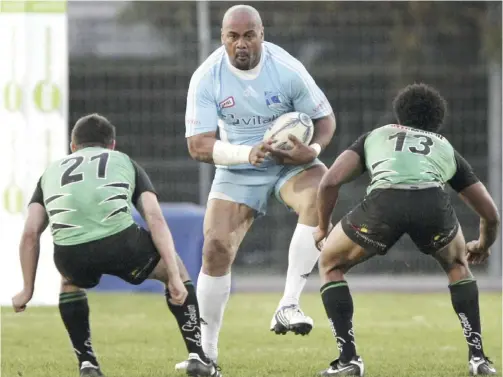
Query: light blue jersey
x=242 y=105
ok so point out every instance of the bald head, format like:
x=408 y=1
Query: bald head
x=242 y=35
x=242 y=14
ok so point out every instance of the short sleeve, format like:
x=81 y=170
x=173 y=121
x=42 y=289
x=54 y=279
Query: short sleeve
x=201 y=112
x=142 y=182
x=307 y=97
x=38 y=195
x=464 y=175
x=359 y=147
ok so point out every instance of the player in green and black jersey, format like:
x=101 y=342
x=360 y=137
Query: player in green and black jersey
x=87 y=198
x=409 y=164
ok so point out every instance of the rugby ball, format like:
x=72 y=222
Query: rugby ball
x=295 y=123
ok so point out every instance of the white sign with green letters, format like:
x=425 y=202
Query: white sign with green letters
x=33 y=127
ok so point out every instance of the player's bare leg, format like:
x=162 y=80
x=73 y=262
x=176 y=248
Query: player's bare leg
x=74 y=310
x=225 y=225
x=338 y=255
x=299 y=193
x=465 y=301
x=189 y=322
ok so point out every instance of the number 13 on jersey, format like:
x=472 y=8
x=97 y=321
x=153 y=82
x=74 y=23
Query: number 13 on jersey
x=424 y=143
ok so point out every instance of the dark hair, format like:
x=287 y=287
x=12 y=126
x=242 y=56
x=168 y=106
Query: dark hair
x=420 y=106
x=93 y=130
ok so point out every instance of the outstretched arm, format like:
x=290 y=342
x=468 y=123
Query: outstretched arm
x=475 y=195
x=29 y=248
x=149 y=208
x=347 y=167
x=145 y=200
x=477 y=198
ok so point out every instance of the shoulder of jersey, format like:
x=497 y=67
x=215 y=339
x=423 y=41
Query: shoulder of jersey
x=275 y=50
x=386 y=126
x=55 y=164
x=118 y=153
x=211 y=62
x=280 y=56
x=123 y=155
x=398 y=126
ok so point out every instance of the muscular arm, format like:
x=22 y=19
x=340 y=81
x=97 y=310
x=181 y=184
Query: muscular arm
x=149 y=208
x=145 y=200
x=201 y=146
x=308 y=98
x=475 y=195
x=324 y=129
x=347 y=167
x=29 y=248
x=201 y=119
x=477 y=198
x=206 y=148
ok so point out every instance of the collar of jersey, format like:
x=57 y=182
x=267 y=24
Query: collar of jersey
x=251 y=74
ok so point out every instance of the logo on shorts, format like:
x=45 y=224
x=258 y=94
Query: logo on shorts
x=226 y=103
x=273 y=100
x=361 y=229
x=362 y=232
x=442 y=239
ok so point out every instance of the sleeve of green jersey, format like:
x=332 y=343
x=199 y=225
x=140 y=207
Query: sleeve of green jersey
x=359 y=147
x=38 y=195
x=142 y=182
x=464 y=175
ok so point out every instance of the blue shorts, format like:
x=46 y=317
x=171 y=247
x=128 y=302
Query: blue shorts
x=254 y=187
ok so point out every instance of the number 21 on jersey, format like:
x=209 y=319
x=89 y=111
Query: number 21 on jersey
x=69 y=176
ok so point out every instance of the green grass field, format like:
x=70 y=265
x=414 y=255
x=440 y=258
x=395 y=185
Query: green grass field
x=409 y=335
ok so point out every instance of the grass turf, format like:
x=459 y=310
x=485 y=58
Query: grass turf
x=409 y=335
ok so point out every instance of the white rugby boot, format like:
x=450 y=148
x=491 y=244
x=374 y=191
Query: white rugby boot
x=195 y=367
x=481 y=366
x=291 y=318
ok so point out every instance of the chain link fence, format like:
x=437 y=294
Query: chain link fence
x=132 y=62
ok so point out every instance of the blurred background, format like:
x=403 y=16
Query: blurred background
x=132 y=62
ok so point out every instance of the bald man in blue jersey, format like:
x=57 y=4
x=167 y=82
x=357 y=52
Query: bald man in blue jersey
x=238 y=91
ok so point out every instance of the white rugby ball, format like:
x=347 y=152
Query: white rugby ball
x=295 y=123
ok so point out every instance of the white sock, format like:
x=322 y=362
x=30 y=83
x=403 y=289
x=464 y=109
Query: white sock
x=302 y=256
x=212 y=295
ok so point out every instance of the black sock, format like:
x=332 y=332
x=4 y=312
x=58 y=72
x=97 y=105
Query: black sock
x=465 y=300
x=189 y=321
x=339 y=307
x=74 y=312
